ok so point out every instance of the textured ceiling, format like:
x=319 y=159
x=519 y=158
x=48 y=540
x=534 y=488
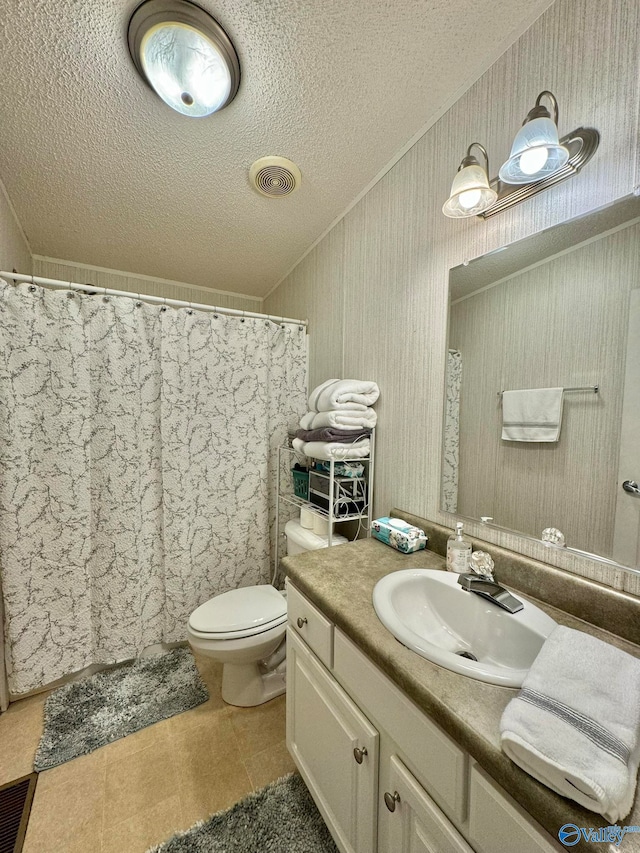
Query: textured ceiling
x=101 y=172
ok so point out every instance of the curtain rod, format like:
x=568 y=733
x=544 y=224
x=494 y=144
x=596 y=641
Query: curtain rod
x=92 y=289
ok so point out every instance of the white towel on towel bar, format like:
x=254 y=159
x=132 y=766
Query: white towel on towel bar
x=343 y=394
x=532 y=415
x=575 y=725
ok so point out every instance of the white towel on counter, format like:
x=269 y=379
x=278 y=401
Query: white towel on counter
x=336 y=450
x=532 y=415
x=343 y=394
x=354 y=419
x=575 y=725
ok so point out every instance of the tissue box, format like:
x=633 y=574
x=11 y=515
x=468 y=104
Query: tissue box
x=400 y=535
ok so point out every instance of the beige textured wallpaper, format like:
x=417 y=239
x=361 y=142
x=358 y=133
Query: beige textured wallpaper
x=14 y=251
x=375 y=289
x=117 y=280
x=562 y=323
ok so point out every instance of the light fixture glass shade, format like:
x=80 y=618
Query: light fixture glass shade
x=470 y=193
x=185 y=68
x=184 y=55
x=536 y=153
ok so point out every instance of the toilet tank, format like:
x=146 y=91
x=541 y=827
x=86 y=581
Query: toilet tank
x=301 y=539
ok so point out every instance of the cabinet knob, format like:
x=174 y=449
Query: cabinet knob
x=359 y=754
x=390 y=800
x=301 y=621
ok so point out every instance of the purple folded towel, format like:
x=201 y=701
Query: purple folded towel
x=331 y=434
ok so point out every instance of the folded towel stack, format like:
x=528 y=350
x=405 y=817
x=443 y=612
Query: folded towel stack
x=575 y=725
x=339 y=421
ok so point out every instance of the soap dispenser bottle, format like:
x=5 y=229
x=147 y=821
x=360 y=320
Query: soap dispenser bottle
x=458 y=551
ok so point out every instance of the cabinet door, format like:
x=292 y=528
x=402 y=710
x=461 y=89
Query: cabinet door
x=497 y=824
x=324 y=730
x=415 y=823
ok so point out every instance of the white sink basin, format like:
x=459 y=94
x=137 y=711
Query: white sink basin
x=429 y=612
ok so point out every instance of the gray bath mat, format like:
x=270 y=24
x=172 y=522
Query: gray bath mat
x=82 y=716
x=281 y=818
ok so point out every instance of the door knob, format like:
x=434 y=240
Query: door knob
x=359 y=754
x=301 y=621
x=631 y=486
x=390 y=800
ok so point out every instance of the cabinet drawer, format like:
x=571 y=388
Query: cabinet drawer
x=307 y=622
x=435 y=759
x=497 y=824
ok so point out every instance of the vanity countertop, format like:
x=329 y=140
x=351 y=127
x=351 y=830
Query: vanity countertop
x=340 y=581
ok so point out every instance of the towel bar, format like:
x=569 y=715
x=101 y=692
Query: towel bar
x=594 y=388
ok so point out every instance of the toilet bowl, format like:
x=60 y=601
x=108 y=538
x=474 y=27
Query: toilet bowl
x=245 y=630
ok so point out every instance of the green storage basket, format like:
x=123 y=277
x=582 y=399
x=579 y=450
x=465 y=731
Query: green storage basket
x=301 y=484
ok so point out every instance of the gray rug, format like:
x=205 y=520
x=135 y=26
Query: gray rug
x=281 y=818
x=84 y=715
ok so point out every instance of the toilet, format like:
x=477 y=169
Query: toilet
x=245 y=629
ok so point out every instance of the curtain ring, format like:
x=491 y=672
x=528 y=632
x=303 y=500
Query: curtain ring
x=242 y=318
x=164 y=306
x=32 y=287
x=215 y=308
x=139 y=302
x=105 y=298
x=190 y=308
x=71 y=293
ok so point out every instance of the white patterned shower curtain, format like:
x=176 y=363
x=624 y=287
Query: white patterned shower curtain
x=136 y=468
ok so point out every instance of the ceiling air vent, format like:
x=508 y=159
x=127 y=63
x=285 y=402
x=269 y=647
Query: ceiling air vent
x=275 y=176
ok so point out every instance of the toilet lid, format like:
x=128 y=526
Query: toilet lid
x=249 y=609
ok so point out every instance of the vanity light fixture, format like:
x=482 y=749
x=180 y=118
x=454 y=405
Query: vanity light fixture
x=184 y=55
x=538 y=160
x=470 y=192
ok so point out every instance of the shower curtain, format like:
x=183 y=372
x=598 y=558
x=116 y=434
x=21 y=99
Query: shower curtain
x=451 y=432
x=137 y=449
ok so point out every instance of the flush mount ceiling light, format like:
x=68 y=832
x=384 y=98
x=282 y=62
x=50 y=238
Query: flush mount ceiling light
x=538 y=160
x=184 y=55
x=536 y=151
x=470 y=192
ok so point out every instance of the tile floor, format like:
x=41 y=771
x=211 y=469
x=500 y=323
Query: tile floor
x=139 y=790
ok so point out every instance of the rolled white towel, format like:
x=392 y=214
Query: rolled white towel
x=354 y=419
x=336 y=450
x=575 y=725
x=343 y=394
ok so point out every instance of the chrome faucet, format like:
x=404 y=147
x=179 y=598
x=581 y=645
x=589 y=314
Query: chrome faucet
x=481 y=581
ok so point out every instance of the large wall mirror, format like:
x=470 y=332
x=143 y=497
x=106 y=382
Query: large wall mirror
x=558 y=309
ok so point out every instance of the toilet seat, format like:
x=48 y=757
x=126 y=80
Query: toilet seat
x=244 y=612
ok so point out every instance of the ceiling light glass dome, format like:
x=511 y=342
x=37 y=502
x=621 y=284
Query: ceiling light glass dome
x=184 y=55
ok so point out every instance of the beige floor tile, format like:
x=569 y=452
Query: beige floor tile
x=137 y=782
x=269 y=765
x=67 y=815
x=213 y=791
x=143 y=830
x=20 y=733
x=259 y=727
x=86 y=771
x=211 y=774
